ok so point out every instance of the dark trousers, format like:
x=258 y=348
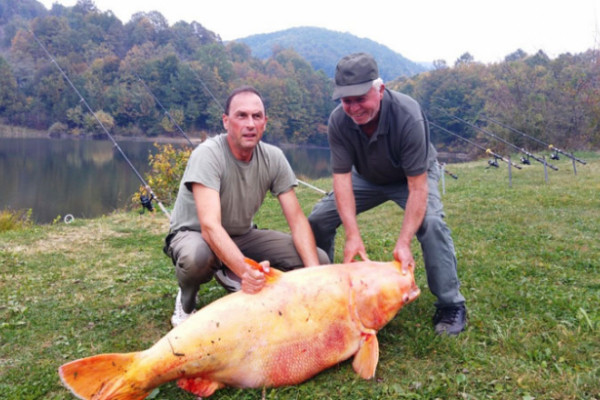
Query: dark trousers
x=434 y=235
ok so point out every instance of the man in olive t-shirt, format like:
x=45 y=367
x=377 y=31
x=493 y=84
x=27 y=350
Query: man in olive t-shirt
x=224 y=184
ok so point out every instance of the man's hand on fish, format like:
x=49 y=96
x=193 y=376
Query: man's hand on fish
x=355 y=247
x=253 y=279
x=404 y=256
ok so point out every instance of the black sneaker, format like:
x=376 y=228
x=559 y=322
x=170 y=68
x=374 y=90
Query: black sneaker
x=230 y=281
x=450 y=320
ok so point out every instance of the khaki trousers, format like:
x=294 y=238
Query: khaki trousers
x=195 y=263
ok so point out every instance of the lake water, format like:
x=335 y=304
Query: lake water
x=89 y=178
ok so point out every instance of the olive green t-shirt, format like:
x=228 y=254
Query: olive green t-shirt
x=242 y=186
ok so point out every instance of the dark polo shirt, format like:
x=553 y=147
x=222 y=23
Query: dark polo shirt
x=399 y=148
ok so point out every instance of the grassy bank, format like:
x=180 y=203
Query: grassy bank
x=529 y=261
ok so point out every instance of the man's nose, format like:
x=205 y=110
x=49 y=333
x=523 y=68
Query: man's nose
x=353 y=106
x=249 y=122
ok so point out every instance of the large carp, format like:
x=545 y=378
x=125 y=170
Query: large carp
x=299 y=324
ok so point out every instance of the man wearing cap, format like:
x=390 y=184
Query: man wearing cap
x=380 y=151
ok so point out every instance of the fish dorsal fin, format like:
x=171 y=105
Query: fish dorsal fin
x=271 y=274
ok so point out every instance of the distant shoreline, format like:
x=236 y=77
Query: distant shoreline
x=16 y=132
x=8 y=131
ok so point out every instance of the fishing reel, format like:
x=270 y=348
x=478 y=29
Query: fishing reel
x=493 y=163
x=146 y=202
x=525 y=161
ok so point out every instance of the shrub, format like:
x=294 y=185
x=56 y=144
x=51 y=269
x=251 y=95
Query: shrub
x=58 y=129
x=14 y=220
x=166 y=170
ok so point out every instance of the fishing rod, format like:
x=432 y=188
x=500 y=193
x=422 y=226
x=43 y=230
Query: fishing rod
x=556 y=150
x=188 y=139
x=145 y=200
x=442 y=167
x=523 y=160
x=452 y=175
x=165 y=110
x=223 y=108
x=206 y=88
x=492 y=163
x=553 y=156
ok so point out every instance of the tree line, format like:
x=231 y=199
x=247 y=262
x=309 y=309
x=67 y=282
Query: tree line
x=556 y=101
x=124 y=70
x=131 y=73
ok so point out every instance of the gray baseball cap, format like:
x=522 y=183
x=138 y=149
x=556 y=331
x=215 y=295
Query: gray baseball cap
x=354 y=75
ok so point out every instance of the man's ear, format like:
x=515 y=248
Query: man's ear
x=225 y=119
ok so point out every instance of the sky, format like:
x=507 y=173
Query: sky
x=420 y=30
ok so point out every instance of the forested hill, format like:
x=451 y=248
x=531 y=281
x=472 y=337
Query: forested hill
x=130 y=73
x=135 y=75
x=26 y=9
x=323 y=48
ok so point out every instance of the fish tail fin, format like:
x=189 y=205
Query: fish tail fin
x=271 y=274
x=102 y=377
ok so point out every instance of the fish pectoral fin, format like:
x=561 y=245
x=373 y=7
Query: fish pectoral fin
x=199 y=386
x=365 y=360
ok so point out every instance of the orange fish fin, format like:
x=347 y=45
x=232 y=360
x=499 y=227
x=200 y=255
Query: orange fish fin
x=101 y=377
x=199 y=386
x=271 y=275
x=365 y=360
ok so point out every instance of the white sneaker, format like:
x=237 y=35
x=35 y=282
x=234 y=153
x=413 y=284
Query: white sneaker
x=179 y=315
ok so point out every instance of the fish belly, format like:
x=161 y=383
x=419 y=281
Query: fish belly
x=282 y=335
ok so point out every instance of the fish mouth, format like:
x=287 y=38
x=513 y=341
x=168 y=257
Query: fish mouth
x=412 y=294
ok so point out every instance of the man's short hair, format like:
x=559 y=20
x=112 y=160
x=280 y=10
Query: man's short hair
x=377 y=83
x=242 y=89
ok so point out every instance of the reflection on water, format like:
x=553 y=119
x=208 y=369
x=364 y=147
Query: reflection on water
x=89 y=178
x=59 y=177
x=312 y=163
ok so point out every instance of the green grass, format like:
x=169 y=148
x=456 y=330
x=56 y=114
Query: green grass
x=529 y=261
